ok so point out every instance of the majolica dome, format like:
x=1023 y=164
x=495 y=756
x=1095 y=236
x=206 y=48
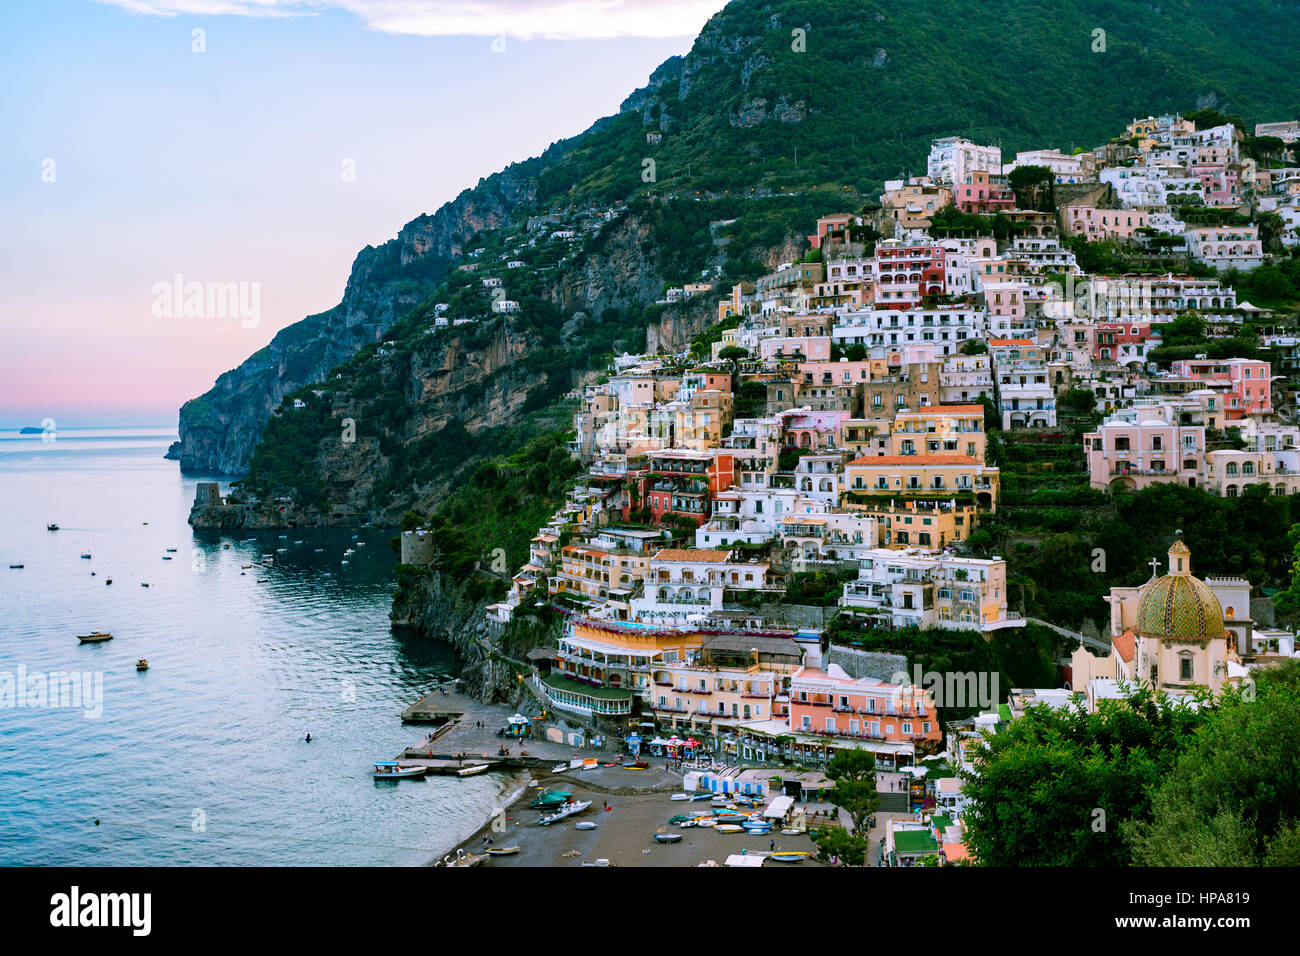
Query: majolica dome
x=1178 y=606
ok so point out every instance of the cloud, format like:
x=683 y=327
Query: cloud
x=547 y=19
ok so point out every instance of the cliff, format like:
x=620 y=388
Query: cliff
x=220 y=429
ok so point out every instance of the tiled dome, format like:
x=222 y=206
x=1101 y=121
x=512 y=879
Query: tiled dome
x=1178 y=606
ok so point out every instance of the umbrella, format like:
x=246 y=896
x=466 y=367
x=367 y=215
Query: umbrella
x=673 y=741
x=692 y=742
x=658 y=742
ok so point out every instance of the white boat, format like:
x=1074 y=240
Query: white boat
x=602 y=861
x=680 y=796
x=566 y=811
x=392 y=770
x=467 y=859
x=585 y=825
x=470 y=771
x=560 y=768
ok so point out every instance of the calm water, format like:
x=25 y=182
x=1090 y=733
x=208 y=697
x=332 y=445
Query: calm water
x=201 y=759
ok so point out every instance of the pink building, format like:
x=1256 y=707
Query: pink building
x=1140 y=447
x=979 y=193
x=1246 y=383
x=832 y=704
x=809 y=348
x=1096 y=224
x=818 y=430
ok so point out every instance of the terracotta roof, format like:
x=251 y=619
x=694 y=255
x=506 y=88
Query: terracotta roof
x=1011 y=342
x=691 y=554
x=918 y=460
x=1125 y=644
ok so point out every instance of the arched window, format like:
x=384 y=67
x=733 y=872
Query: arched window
x=1232 y=468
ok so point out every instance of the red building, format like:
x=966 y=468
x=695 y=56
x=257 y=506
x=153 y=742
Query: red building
x=685 y=483
x=905 y=272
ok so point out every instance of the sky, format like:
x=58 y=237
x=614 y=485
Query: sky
x=247 y=150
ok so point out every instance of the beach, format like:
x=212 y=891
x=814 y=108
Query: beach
x=639 y=806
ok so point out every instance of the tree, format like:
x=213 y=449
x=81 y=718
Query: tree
x=1054 y=787
x=1184 y=330
x=1034 y=186
x=833 y=842
x=1232 y=798
x=854 y=773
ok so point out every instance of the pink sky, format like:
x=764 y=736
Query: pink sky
x=226 y=166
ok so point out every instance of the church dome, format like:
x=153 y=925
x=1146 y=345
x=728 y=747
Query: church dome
x=1178 y=606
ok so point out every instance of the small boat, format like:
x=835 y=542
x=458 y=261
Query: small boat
x=262 y=580
x=246 y=567
x=688 y=823
x=281 y=550
x=85 y=557
x=392 y=770
x=142 y=665
x=171 y=550
x=695 y=798
x=789 y=856
x=98 y=637
x=639 y=765
x=585 y=825
x=299 y=541
x=502 y=850
x=144 y=584
x=167 y=557
x=729 y=828
x=470 y=771
x=51 y=527
x=680 y=796
x=668 y=838
x=343 y=562
x=707 y=823
x=602 y=861
x=564 y=812
x=350 y=551
x=15 y=566
x=467 y=859
x=550 y=800
x=282 y=536
x=319 y=550
x=109 y=581
x=560 y=768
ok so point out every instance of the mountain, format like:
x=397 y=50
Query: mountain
x=820 y=100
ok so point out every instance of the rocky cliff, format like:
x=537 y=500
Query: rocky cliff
x=220 y=429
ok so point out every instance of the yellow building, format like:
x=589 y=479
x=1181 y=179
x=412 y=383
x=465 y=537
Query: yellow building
x=934 y=476
x=908 y=523
x=939 y=430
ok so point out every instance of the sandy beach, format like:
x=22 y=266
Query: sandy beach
x=639 y=806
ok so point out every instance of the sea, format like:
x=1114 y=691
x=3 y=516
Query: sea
x=252 y=644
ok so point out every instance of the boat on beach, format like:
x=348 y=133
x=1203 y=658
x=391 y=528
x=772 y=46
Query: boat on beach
x=470 y=771
x=392 y=770
x=97 y=637
x=668 y=838
x=467 y=859
x=502 y=850
x=563 y=813
x=585 y=825
x=550 y=800
x=789 y=856
x=729 y=828
x=560 y=768
x=680 y=796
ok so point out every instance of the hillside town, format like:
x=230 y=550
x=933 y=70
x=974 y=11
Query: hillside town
x=837 y=422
